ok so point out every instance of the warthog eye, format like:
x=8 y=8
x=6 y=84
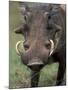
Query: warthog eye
x=25 y=17
x=49 y=28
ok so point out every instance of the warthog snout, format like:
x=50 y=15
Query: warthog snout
x=35 y=56
x=35 y=64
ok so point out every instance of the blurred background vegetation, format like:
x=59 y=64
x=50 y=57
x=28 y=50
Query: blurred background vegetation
x=19 y=74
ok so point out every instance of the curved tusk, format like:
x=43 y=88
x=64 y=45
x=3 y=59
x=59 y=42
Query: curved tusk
x=52 y=47
x=17 y=47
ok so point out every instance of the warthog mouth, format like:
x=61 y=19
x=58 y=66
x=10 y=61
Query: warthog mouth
x=35 y=64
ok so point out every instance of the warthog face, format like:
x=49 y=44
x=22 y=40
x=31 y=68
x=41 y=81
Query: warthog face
x=41 y=32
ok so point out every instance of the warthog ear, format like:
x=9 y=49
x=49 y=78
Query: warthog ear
x=25 y=10
x=21 y=29
x=23 y=7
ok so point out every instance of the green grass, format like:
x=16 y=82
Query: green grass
x=19 y=74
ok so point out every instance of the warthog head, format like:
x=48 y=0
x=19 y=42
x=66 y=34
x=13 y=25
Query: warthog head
x=42 y=31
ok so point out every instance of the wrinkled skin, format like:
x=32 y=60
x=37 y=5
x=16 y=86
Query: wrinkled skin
x=43 y=23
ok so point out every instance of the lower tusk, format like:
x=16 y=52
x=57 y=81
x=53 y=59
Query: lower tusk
x=52 y=47
x=17 y=47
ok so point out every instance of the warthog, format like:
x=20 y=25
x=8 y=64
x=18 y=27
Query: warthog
x=44 y=31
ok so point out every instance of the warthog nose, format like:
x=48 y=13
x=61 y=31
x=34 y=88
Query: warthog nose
x=35 y=65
